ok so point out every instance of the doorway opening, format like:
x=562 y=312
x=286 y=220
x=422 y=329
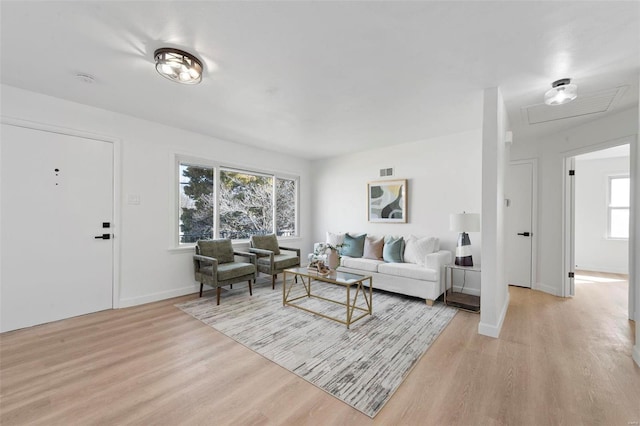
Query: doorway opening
x=597 y=207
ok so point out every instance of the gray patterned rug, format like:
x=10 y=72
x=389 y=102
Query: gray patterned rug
x=362 y=366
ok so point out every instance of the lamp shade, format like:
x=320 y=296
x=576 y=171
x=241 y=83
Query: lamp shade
x=464 y=222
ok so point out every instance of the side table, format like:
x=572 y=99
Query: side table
x=467 y=302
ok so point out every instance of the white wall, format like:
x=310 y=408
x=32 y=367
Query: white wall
x=593 y=250
x=494 y=300
x=444 y=176
x=150 y=268
x=551 y=151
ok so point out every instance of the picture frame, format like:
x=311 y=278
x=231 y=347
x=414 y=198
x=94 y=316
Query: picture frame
x=387 y=201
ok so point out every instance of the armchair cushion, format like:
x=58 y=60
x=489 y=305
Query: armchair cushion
x=221 y=249
x=228 y=271
x=265 y=242
x=280 y=261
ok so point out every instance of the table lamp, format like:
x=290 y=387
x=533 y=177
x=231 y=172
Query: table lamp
x=463 y=223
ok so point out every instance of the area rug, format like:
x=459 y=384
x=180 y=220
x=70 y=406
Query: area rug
x=362 y=366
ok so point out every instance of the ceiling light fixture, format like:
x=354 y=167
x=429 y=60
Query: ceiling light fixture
x=178 y=65
x=562 y=92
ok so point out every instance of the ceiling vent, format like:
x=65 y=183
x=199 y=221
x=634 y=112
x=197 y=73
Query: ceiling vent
x=590 y=103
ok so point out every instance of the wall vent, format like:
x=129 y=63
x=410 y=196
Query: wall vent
x=386 y=172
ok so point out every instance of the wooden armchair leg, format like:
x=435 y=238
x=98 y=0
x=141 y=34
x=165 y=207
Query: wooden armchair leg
x=231 y=286
x=218 y=290
x=201 y=285
x=273 y=282
x=250 y=291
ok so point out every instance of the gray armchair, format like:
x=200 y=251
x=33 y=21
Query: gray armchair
x=271 y=260
x=214 y=265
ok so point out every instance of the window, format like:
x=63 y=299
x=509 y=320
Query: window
x=196 y=203
x=618 y=207
x=218 y=202
x=286 y=207
x=246 y=204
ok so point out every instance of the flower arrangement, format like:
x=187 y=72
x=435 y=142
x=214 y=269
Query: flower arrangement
x=322 y=248
x=329 y=253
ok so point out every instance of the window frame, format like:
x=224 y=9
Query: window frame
x=217 y=169
x=610 y=207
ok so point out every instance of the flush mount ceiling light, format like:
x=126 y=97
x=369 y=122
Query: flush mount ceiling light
x=178 y=65
x=562 y=92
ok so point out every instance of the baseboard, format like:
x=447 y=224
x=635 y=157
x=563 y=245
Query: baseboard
x=546 y=288
x=635 y=354
x=155 y=297
x=596 y=268
x=494 y=330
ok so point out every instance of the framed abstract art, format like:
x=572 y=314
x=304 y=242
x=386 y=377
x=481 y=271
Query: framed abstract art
x=387 y=201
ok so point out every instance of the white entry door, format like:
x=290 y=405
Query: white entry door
x=519 y=224
x=57 y=197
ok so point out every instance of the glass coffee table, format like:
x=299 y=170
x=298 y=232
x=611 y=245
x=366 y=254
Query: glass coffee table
x=358 y=302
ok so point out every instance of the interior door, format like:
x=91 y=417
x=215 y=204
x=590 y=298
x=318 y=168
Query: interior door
x=519 y=224
x=57 y=204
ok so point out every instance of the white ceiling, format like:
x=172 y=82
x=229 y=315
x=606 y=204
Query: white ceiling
x=324 y=78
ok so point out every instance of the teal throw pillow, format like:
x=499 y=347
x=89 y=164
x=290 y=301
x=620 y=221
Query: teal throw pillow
x=353 y=246
x=393 y=250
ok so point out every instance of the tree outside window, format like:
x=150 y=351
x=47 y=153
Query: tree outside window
x=245 y=203
x=286 y=207
x=196 y=203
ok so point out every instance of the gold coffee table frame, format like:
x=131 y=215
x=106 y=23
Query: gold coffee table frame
x=343 y=279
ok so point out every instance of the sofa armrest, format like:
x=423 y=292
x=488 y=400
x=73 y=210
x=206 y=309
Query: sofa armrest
x=436 y=261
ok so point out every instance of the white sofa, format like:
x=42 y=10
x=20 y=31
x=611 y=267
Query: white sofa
x=421 y=276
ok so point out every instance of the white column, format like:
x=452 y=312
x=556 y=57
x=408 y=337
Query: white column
x=494 y=292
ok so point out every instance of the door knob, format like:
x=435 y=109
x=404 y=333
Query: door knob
x=524 y=234
x=103 y=237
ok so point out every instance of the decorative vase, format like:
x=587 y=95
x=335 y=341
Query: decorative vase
x=333 y=260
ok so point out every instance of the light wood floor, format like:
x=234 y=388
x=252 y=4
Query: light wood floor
x=557 y=362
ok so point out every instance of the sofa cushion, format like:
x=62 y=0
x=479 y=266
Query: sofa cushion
x=416 y=249
x=373 y=247
x=335 y=239
x=353 y=246
x=265 y=242
x=393 y=249
x=361 y=263
x=408 y=270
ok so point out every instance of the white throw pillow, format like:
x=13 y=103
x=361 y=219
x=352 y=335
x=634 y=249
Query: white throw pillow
x=416 y=249
x=335 y=239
